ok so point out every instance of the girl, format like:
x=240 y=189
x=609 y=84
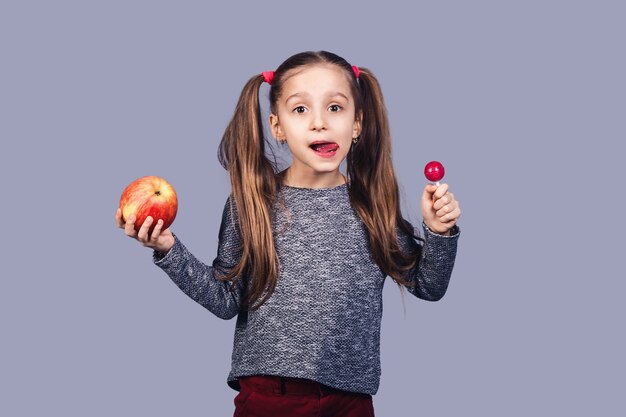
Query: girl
x=303 y=253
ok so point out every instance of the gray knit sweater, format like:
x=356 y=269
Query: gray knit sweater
x=323 y=320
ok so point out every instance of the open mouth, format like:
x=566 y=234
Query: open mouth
x=325 y=148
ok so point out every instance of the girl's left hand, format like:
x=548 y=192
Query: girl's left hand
x=440 y=210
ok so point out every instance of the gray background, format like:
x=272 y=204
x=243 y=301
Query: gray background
x=522 y=101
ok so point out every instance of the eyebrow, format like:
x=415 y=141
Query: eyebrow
x=303 y=94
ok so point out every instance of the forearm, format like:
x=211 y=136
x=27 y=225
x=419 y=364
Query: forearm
x=433 y=272
x=197 y=280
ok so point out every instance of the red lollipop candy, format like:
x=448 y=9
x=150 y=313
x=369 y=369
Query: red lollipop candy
x=434 y=172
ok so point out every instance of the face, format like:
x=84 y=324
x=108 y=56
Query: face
x=316 y=106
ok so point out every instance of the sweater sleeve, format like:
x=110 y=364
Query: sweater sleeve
x=197 y=279
x=432 y=273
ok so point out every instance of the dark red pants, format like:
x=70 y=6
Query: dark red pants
x=273 y=396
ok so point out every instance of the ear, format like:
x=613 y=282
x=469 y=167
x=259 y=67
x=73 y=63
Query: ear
x=277 y=131
x=358 y=124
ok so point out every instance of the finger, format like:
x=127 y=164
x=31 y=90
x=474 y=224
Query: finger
x=129 y=227
x=444 y=210
x=143 y=230
x=439 y=203
x=451 y=216
x=157 y=231
x=118 y=218
x=447 y=208
x=441 y=190
x=446 y=199
x=431 y=188
x=427 y=195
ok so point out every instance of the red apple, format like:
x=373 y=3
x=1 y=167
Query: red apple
x=149 y=196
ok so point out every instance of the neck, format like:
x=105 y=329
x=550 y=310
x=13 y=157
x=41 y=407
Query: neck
x=325 y=180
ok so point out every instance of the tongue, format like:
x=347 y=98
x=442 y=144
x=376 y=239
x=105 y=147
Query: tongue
x=326 y=147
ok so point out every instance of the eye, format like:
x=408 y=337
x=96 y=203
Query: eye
x=299 y=109
x=334 y=108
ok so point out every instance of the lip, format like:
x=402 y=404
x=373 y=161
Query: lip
x=322 y=141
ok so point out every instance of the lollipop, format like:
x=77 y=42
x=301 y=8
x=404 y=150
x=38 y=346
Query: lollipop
x=434 y=172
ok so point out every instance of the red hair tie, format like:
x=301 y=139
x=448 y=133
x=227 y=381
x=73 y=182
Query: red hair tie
x=356 y=70
x=268 y=76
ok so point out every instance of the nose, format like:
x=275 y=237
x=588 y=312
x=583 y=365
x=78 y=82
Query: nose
x=318 y=120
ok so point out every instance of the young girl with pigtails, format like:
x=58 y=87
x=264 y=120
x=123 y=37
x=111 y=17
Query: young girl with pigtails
x=303 y=254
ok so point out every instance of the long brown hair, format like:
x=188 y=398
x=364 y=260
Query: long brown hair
x=372 y=185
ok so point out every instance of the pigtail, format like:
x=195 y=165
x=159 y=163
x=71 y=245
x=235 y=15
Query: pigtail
x=374 y=188
x=253 y=182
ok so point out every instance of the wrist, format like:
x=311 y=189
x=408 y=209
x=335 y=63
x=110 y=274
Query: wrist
x=446 y=233
x=165 y=248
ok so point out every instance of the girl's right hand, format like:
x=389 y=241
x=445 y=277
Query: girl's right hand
x=161 y=241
